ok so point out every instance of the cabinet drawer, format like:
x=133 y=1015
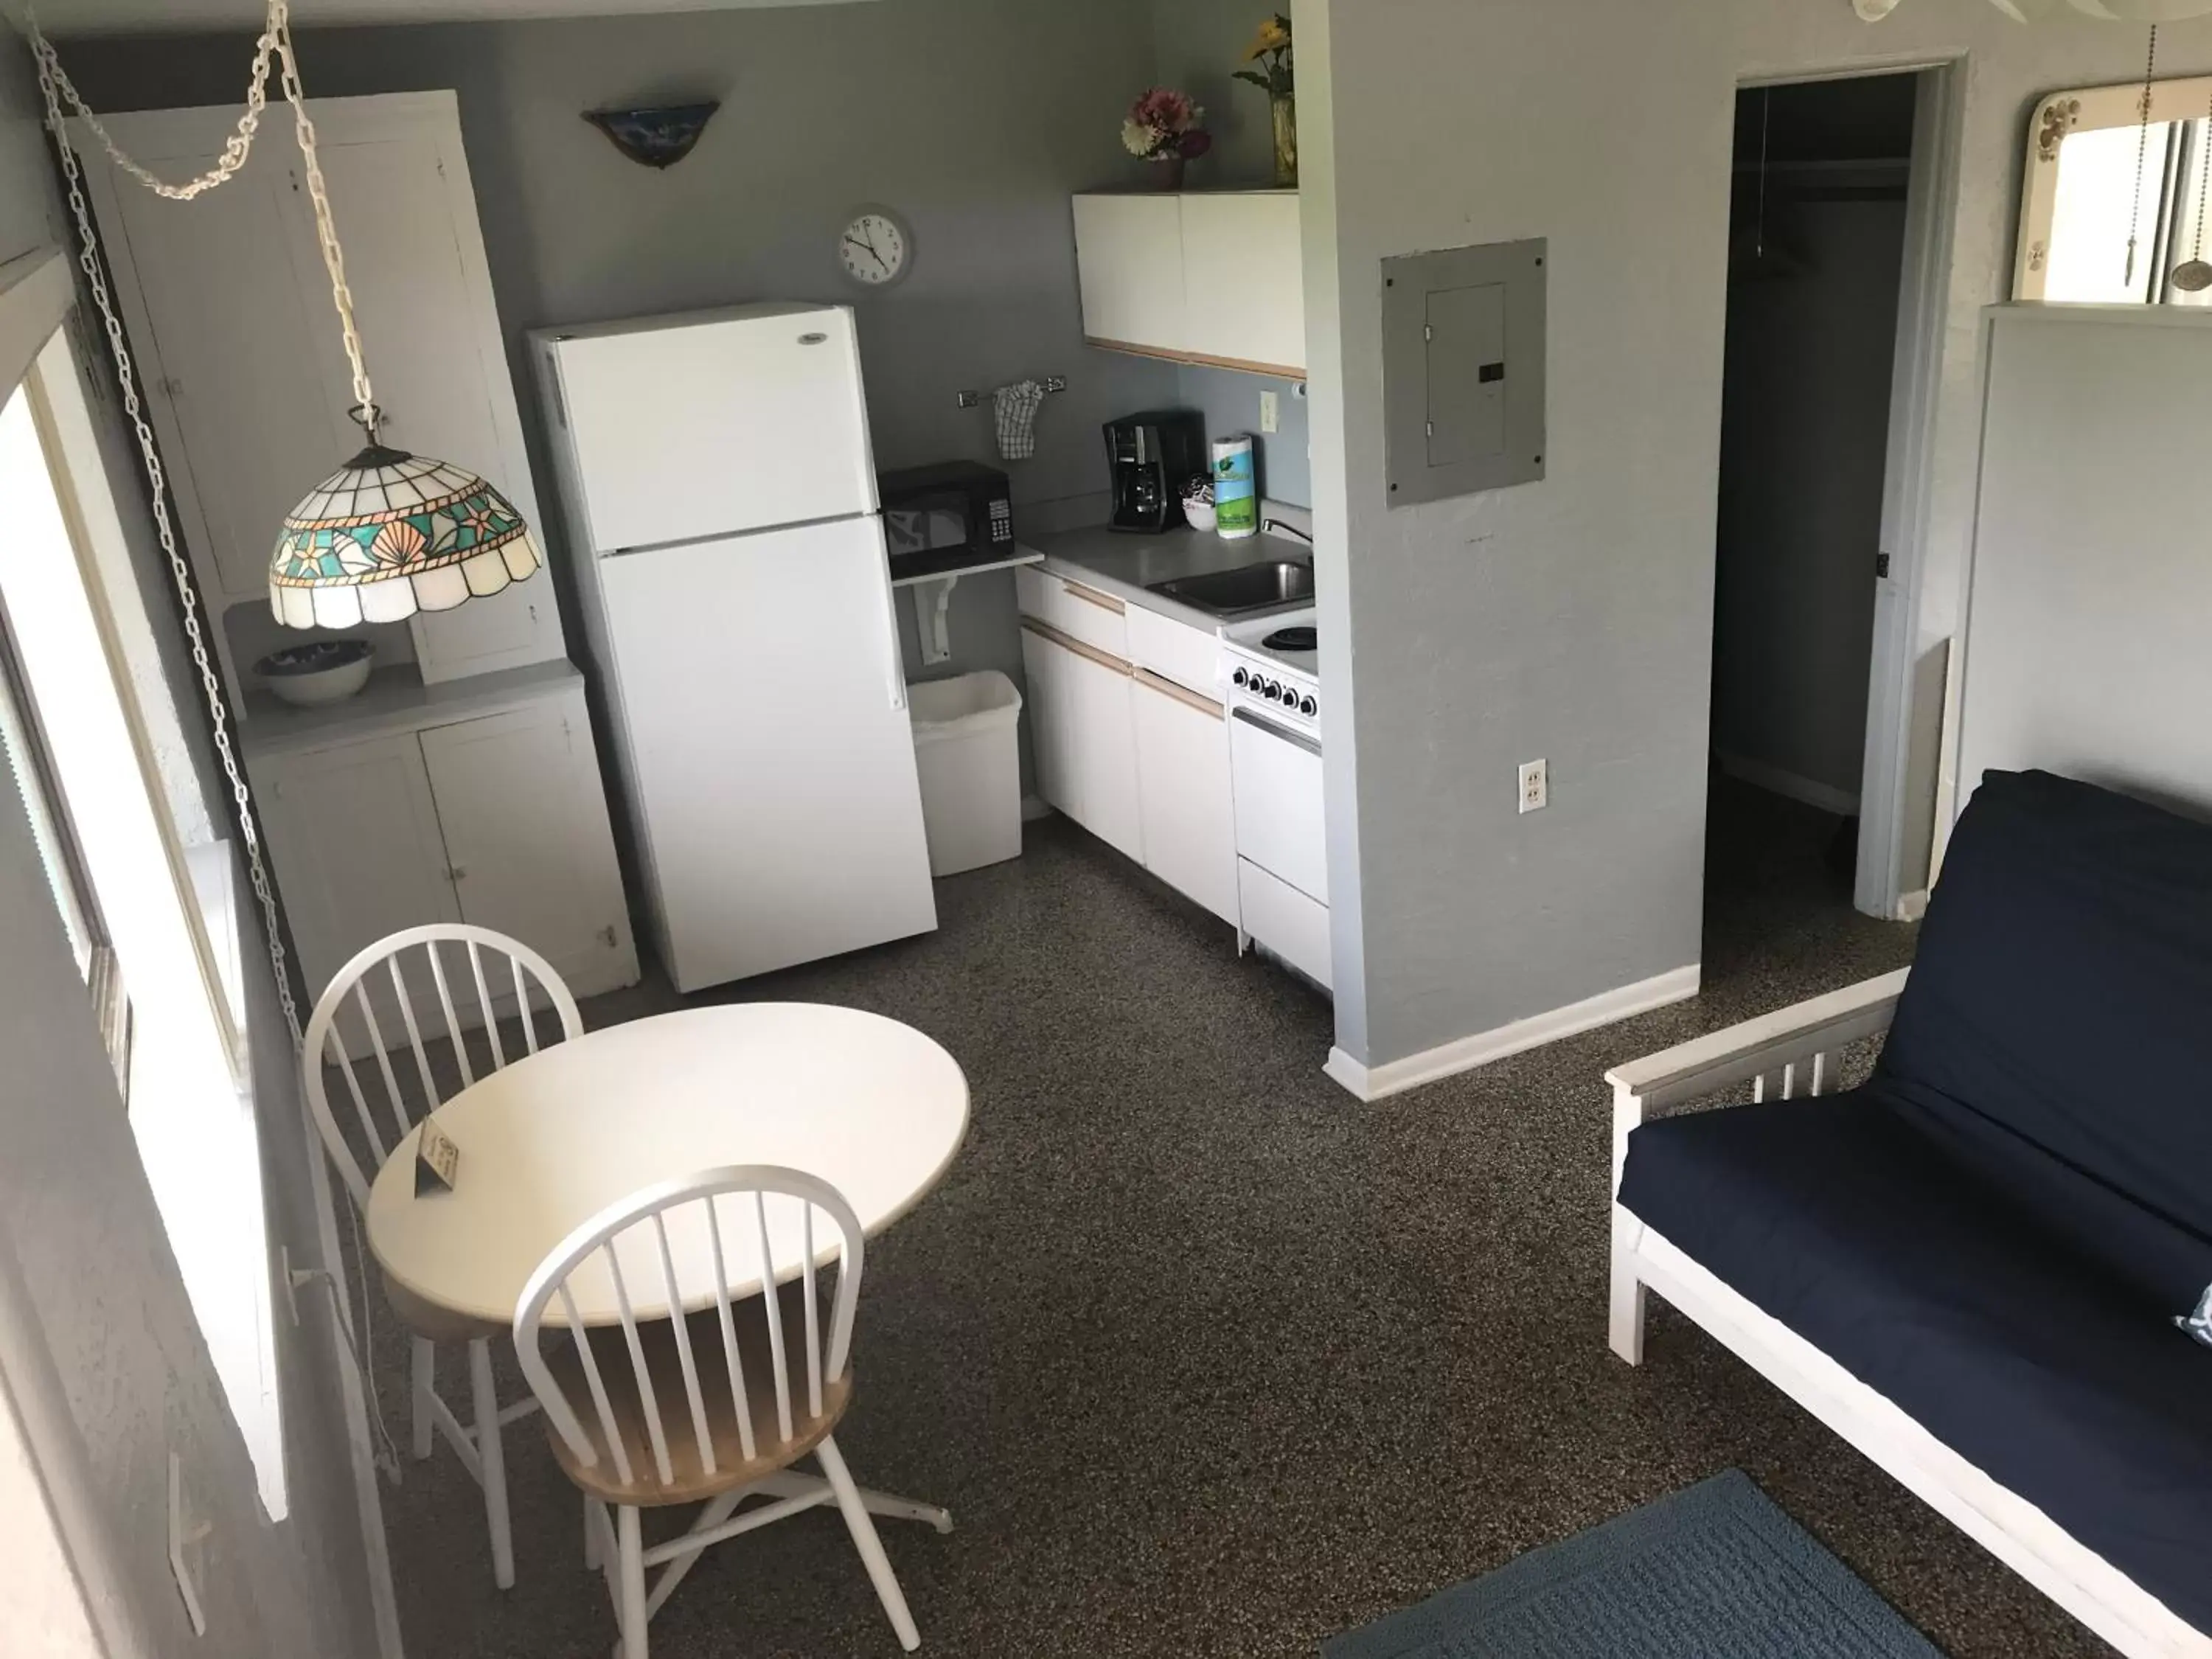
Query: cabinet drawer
x=1191 y=657
x=1068 y=607
x=1285 y=921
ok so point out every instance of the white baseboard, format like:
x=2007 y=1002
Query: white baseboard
x=1373 y=1082
x=1844 y=803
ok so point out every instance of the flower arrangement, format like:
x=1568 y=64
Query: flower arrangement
x=1270 y=50
x=1277 y=76
x=1162 y=125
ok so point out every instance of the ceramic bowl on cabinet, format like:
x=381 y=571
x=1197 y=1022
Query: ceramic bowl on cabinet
x=320 y=672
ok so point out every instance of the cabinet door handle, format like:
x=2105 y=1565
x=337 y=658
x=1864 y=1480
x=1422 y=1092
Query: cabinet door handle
x=1168 y=688
x=1092 y=595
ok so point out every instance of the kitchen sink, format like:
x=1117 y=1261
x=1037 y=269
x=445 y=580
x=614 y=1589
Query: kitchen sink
x=1248 y=588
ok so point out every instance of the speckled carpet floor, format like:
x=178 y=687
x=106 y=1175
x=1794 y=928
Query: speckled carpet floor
x=1206 y=1358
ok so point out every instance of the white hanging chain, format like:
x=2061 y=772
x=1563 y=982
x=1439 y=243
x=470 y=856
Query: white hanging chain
x=51 y=82
x=275 y=41
x=234 y=148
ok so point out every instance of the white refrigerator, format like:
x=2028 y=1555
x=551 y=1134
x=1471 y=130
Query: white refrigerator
x=721 y=508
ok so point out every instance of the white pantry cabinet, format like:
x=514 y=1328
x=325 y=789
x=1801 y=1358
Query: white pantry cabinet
x=1203 y=277
x=228 y=311
x=493 y=817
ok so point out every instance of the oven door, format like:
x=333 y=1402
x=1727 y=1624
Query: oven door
x=1275 y=773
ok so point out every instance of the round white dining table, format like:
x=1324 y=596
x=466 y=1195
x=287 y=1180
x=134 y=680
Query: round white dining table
x=871 y=1106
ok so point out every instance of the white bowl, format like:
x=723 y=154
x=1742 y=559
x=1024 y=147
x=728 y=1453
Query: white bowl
x=308 y=687
x=1200 y=515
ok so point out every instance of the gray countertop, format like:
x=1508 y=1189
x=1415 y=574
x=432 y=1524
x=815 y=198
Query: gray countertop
x=1126 y=566
x=395 y=699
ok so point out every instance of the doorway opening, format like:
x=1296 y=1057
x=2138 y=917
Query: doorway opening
x=1822 y=307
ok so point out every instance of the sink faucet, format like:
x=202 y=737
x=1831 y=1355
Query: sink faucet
x=1271 y=525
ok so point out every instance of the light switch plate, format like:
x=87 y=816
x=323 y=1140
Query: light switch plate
x=1271 y=411
x=1463 y=351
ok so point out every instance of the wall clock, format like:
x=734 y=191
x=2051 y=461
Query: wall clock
x=876 y=247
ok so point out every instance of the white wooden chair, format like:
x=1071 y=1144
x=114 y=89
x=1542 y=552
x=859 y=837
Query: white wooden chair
x=712 y=1406
x=416 y=988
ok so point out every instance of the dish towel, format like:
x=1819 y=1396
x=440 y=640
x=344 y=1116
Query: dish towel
x=1016 y=409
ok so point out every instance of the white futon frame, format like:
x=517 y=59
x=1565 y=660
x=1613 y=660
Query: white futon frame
x=1793 y=1053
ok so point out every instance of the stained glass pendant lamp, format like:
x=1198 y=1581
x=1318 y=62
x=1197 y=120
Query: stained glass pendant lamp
x=389 y=533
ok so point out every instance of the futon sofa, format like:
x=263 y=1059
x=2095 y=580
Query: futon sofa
x=1989 y=1268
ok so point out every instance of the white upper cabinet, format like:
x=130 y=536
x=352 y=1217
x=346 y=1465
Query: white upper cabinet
x=1207 y=277
x=1128 y=256
x=229 y=315
x=1244 y=281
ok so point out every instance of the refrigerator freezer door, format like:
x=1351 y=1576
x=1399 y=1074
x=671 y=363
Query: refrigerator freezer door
x=769 y=748
x=717 y=428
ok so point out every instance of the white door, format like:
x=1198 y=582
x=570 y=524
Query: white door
x=1244 y=277
x=525 y=828
x=1045 y=706
x=1129 y=259
x=353 y=833
x=690 y=429
x=773 y=761
x=229 y=358
x=1182 y=790
x=1279 y=823
x=1102 y=742
x=414 y=260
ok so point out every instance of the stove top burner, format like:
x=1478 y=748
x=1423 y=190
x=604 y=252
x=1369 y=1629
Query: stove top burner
x=1292 y=639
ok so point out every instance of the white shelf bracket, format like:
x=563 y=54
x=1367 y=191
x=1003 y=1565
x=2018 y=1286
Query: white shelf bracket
x=933 y=608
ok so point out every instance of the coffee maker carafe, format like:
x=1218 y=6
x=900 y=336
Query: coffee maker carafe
x=1150 y=458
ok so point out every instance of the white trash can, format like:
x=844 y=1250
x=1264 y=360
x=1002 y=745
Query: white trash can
x=971 y=761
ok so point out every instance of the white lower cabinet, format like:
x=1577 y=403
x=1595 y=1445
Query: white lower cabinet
x=1182 y=784
x=354 y=835
x=1135 y=754
x=1084 y=738
x=497 y=819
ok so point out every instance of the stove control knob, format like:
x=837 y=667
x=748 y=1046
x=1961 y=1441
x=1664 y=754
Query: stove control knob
x=1307 y=706
x=1239 y=677
x=1275 y=691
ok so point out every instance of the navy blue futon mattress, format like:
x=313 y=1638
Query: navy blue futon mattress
x=2051 y=1372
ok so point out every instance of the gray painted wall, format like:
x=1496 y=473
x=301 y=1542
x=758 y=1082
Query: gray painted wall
x=975 y=119
x=1804 y=443
x=1572 y=619
x=101 y=1353
x=1197 y=44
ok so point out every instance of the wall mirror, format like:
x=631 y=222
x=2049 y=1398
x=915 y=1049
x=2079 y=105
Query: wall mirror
x=2098 y=172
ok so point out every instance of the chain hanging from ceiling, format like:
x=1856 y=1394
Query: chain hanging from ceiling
x=274 y=43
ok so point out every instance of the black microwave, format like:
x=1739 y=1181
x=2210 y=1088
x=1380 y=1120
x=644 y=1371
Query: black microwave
x=945 y=517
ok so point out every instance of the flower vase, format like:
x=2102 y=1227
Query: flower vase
x=1168 y=171
x=1283 y=112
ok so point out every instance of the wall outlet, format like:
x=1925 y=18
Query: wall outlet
x=1536 y=787
x=1271 y=411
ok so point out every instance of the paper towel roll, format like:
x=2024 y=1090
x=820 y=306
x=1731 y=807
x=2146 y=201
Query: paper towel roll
x=1236 y=491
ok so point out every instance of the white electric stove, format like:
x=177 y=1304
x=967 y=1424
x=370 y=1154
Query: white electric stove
x=1273 y=690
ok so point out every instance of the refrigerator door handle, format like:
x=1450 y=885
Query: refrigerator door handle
x=895 y=655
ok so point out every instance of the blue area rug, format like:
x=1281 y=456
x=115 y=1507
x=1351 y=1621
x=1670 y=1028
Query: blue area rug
x=1717 y=1572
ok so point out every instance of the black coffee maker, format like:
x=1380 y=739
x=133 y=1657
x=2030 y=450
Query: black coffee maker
x=1150 y=459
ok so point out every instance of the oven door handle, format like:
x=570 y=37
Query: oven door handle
x=1298 y=739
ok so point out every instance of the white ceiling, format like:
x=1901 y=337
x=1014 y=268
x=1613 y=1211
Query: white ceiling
x=66 y=17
